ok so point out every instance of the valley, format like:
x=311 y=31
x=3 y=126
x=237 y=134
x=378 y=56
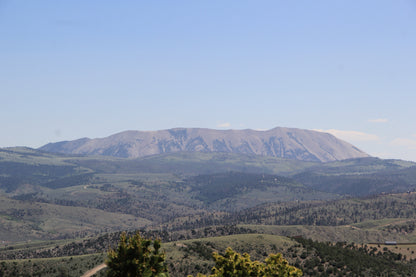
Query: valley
x=72 y=208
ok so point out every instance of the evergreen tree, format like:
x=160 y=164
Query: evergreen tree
x=136 y=257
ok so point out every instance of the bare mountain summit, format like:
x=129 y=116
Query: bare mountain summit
x=278 y=142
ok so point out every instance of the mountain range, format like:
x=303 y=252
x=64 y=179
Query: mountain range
x=289 y=143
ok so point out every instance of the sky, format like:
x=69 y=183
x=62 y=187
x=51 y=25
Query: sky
x=73 y=69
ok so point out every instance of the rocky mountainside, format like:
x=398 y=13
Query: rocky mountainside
x=288 y=143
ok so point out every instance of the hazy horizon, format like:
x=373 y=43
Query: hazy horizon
x=92 y=69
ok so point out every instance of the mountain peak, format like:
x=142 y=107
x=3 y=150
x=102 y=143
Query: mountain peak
x=281 y=142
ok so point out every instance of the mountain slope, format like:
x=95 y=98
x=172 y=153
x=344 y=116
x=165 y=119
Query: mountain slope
x=25 y=220
x=289 y=143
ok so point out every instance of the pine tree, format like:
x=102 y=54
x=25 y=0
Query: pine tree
x=136 y=257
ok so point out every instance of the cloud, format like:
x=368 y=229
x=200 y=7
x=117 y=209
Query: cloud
x=378 y=120
x=404 y=142
x=224 y=125
x=353 y=136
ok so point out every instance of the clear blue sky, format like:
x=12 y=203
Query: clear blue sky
x=72 y=69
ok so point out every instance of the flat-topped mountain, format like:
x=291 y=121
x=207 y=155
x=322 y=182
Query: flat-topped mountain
x=281 y=142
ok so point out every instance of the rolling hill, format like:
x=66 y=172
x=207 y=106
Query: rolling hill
x=36 y=186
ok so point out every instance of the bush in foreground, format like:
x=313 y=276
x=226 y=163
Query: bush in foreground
x=233 y=264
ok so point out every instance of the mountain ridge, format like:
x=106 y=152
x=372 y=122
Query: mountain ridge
x=292 y=143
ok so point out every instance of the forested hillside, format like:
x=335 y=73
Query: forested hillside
x=195 y=189
x=342 y=212
x=193 y=256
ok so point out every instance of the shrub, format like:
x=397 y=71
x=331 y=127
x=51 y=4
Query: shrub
x=233 y=264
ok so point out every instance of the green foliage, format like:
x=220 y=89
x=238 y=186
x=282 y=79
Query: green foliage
x=213 y=187
x=73 y=266
x=329 y=213
x=351 y=260
x=233 y=264
x=136 y=257
x=28 y=220
x=13 y=174
x=276 y=265
x=360 y=177
x=75 y=180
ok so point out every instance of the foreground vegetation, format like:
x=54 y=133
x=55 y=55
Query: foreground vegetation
x=190 y=257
